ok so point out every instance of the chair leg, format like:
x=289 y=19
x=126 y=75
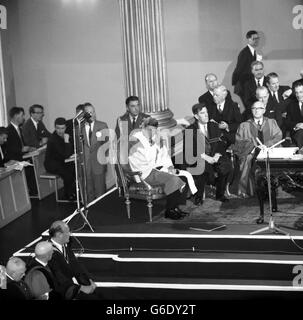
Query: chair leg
x=150 y=208
x=56 y=190
x=127 y=202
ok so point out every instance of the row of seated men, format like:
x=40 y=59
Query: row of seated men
x=23 y=136
x=53 y=273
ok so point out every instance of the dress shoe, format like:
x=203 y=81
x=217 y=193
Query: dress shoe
x=198 y=201
x=222 y=199
x=172 y=214
x=182 y=213
x=260 y=220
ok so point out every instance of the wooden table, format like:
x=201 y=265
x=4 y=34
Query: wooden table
x=14 y=197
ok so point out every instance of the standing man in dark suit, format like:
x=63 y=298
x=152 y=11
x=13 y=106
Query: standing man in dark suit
x=58 y=149
x=250 y=87
x=294 y=118
x=242 y=72
x=15 y=142
x=226 y=113
x=212 y=158
x=211 y=82
x=16 y=289
x=73 y=279
x=96 y=148
x=132 y=118
x=69 y=124
x=34 y=131
x=3 y=139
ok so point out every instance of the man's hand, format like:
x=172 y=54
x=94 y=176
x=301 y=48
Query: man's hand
x=217 y=157
x=286 y=94
x=284 y=114
x=299 y=126
x=87 y=289
x=223 y=125
x=43 y=141
x=66 y=137
x=25 y=149
x=171 y=170
x=92 y=283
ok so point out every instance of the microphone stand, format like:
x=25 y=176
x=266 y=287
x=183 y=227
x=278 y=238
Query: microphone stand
x=271 y=224
x=80 y=186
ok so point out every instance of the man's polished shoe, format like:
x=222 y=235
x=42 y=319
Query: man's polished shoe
x=182 y=213
x=222 y=199
x=172 y=214
x=260 y=220
x=198 y=201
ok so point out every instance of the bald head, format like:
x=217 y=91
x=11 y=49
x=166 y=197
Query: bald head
x=220 y=94
x=44 y=251
x=15 y=268
x=258 y=110
x=211 y=81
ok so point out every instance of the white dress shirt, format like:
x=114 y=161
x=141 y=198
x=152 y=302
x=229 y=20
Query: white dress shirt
x=35 y=123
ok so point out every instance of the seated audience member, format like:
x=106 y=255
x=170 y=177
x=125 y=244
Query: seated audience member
x=3 y=139
x=272 y=110
x=294 y=118
x=39 y=277
x=298 y=80
x=247 y=55
x=72 y=278
x=279 y=96
x=246 y=146
x=69 y=123
x=132 y=119
x=208 y=160
x=16 y=289
x=149 y=155
x=34 y=131
x=250 y=86
x=226 y=113
x=58 y=149
x=15 y=145
x=211 y=82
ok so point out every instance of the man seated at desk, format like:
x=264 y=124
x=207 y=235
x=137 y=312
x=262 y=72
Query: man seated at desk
x=58 y=149
x=3 y=139
x=246 y=147
x=34 y=131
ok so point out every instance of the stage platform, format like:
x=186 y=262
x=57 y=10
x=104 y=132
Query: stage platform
x=136 y=259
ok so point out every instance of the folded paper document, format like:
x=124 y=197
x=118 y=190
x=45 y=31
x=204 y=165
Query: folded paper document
x=280 y=153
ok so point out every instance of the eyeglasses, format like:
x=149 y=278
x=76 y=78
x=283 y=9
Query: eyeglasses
x=257 y=109
x=255 y=38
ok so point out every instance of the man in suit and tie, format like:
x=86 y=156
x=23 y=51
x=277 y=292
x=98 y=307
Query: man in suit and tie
x=3 y=139
x=294 y=118
x=58 y=149
x=39 y=277
x=272 y=109
x=15 y=142
x=96 y=148
x=69 y=124
x=17 y=289
x=132 y=118
x=211 y=82
x=35 y=133
x=212 y=158
x=74 y=282
x=226 y=113
x=242 y=72
x=251 y=85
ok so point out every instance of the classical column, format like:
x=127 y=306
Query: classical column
x=144 y=57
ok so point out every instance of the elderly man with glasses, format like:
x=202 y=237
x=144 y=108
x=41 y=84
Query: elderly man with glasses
x=246 y=145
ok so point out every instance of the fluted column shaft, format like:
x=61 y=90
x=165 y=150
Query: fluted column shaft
x=144 y=57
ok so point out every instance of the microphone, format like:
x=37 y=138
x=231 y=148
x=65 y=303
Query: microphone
x=83 y=116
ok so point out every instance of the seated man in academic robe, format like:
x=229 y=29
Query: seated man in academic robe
x=247 y=146
x=204 y=154
x=149 y=155
x=58 y=150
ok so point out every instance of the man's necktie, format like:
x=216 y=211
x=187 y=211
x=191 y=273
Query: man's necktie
x=220 y=108
x=133 y=122
x=255 y=55
x=64 y=253
x=90 y=132
x=259 y=84
x=274 y=96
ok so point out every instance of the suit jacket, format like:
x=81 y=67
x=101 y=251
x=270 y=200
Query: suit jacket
x=242 y=72
x=56 y=152
x=208 y=98
x=31 y=136
x=15 y=291
x=65 y=269
x=200 y=144
x=96 y=160
x=273 y=112
x=282 y=104
x=124 y=125
x=14 y=144
x=231 y=115
x=249 y=92
x=294 y=115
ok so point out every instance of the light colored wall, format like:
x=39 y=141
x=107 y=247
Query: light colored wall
x=205 y=36
x=63 y=52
